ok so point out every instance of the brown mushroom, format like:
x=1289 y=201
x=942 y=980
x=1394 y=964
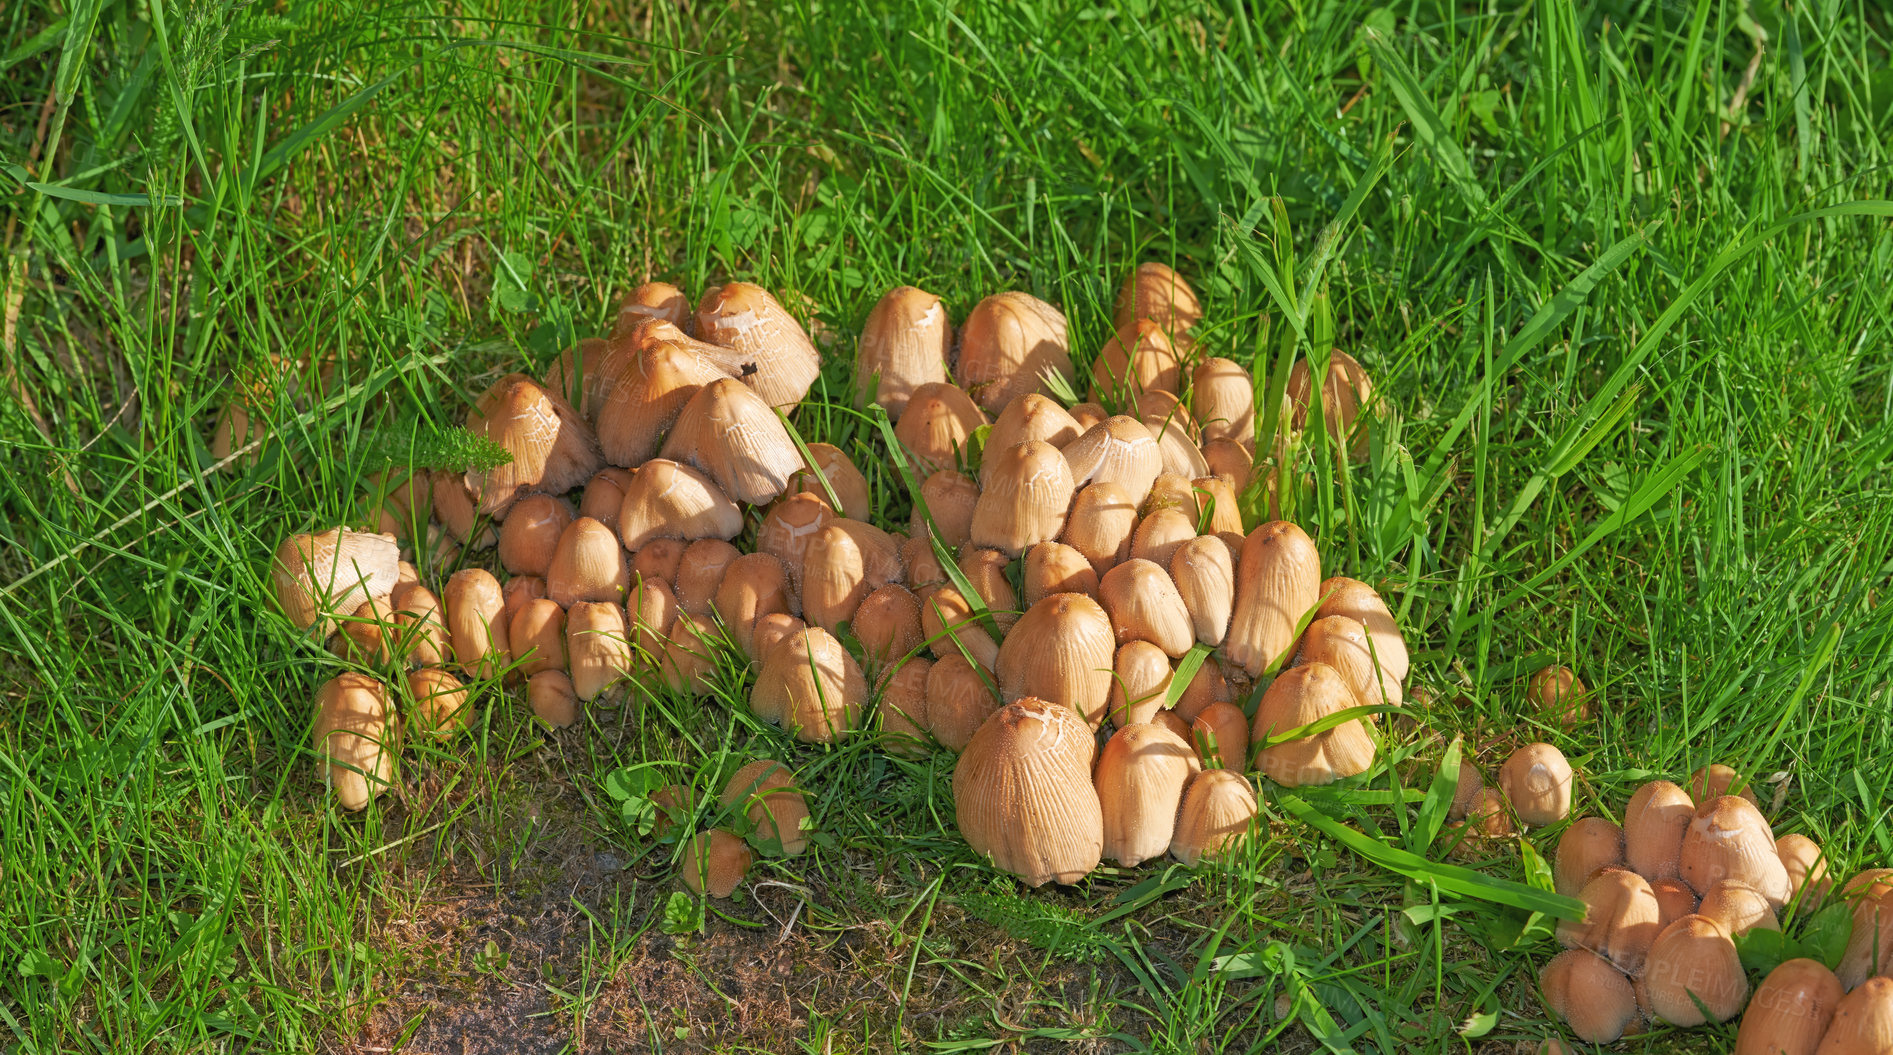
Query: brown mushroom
x=1144 y=606
x=1023 y=796
x=1008 y=344
x=553 y=449
x=904 y=345
x=1620 y=919
x=1301 y=696
x=1140 y=778
x=1120 y=450
x=1027 y=493
x=773 y=803
x=715 y=862
x=1277 y=580
x=354 y=738
x=811 y=686
x=1728 y=838
x=1594 y=998
x=1654 y=825
x=1060 y=651
x=1790 y=1010
x=1588 y=845
x=322 y=576
x=1537 y=783
x=747 y=319
x=669 y=500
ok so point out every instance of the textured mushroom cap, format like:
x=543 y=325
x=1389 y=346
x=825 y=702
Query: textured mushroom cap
x=643 y=389
x=1728 y=838
x=985 y=571
x=453 y=506
x=833 y=464
x=1806 y=865
x=935 y=427
x=1142 y=676
x=1027 y=493
x=1870 y=948
x=1620 y=919
x=958 y=701
x=419 y=627
x=951 y=498
x=772 y=801
x=1053 y=567
x=1595 y=999
x=1120 y=450
x=1588 y=845
x=1231 y=462
x=1300 y=696
x=1739 y=907
x=754 y=585
x=553 y=449
x=1278 y=579
x=788 y=528
x=1863 y=1021
x=537 y=634
x=1139 y=357
x=1217 y=501
x=904 y=345
x=587 y=565
x=669 y=500
x=1345 y=645
x=599 y=647
x=1654 y=824
x=657 y=300
x=1537 y=782
x=476 y=623
x=1160 y=534
x=1229 y=727
x=659 y=559
x=888 y=624
x=1102 y=522
x=903 y=707
x=1466 y=787
x=688 y=659
x=1031 y=417
x=1218 y=809
x=1715 y=779
x=1177 y=451
x=1790 y=1010
x=604 y=496
x=949 y=624
x=1156 y=292
x=1140 y=778
x=519 y=590
x=354 y=738
x=737 y=439
x=1144 y=605
x=748 y=320
x=1206 y=687
x=1023 y=796
x=552 y=698
x=714 y=863
x=1559 y=697
x=440 y=702
x=812 y=686
x=1060 y=651
x=1222 y=400
x=1007 y=344
x=1674 y=900
x=530 y=533
x=700 y=573
x=322 y=576
x=1486 y=822
x=834 y=579
x=1358 y=601
x=1345 y=389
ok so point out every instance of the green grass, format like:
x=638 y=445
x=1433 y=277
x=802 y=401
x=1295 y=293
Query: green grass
x=1670 y=471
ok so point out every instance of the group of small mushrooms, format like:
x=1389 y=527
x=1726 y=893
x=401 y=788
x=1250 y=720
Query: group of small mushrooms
x=1666 y=894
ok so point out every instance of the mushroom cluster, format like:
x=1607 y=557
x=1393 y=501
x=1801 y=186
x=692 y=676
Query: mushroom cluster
x=1666 y=894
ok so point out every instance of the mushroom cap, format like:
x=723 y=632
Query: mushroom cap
x=1229 y=727
x=599 y=647
x=1222 y=400
x=643 y=390
x=754 y=585
x=1144 y=605
x=1139 y=357
x=453 y=507
x=904 y=344
x=649 y=611
x=440 y=702
x=419 y=628
x=476 y=622
x=552 y=698
x=657 y=300
x=1156 y=292
x=1486 y=822
x=1728 y=838
x=1620 y=919
x=1142 y=676
x=1231 y=462
x=1119 y=449
x=1177 y=451
x=1160 y=534
x=1300 y=696
x=1031 y=417
x=1102 y=521
x=730 y=432
x=1537 y=782
x=1028 y=489
x=553 y=449
x=1674 y=900
x=688 y=660
x=1217 y=500
x=604 y=495
x=812 y=686
x=1278 y=577
x=1594 y=998
x=1806 y=865
x=947 y=620
x=887 y=623
x=1739 y=907
x=530 y=533
x=958 y=701
x=700 y=573
x=1790 y=1010
x=659 y=559
x=587 y=565
x=1206 y=687
x=1714 y=779
x=1589 y=844
x=747 y=319
x=1053 y=567
x=715 y=862
x=354 y=738
x=518 y=591
x=1358 y=601
x=1559 y=697
x=321 y=576
x=1140 y=778
x=1008 y=343
x=1218 y=810
x=1654 y=825
x=951 y=499
x=1466 y=787
x=936 y=426
x=1345 y=390
x=1869 y=949
x=1061 y=651
x=844 y=477
x=789 y=527
x=1023 y=796
x=670 y=500
x=985 y=571
x=903 y=707
x=773 y=803
x=834 y=579
x=537 y=634
x=1863 y=1021
x=1345 y=645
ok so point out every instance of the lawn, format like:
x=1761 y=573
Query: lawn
x=1622 y=271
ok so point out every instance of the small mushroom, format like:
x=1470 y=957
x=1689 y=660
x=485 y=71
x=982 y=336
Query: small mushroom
x=985 y=571
x=1654 y=825
x=604 y=496
x=754 y=585
x=587 y=565
x=1863 y=1021
x=1345 y=645
x=1139 y=357
x=1102 y=522
x=322 y=576
x=659 y=559
x=1301 y=696
x=519 y=591
x=1031 y=417
x=1205 y=578
x=1160 y=534
x=552 y=698
x=419 y=629
x=773 y=803
x=1027 y=493
x=947 y=620
x=936 y=426
x=1588 y=845
x=1053 y=567
x=1674 y=900
x=688 y=660
x=903 y=707
x=1728 y=838
x=1217 y=505
x=453 y=506
x=440 y=703
x=904 y=345
x=1219 y=808
x=1559 y=697
x=951 y=499
x=747 y=319
x=1008 y=344
x=354 y=738
x=1061 y=651
x=811 y=686
x=1222 y=399
x=476 y=622
x=599 y=647
x=1790 y=1010
x=1358 y=601
x=669 y=500
x=1716 y=779
x=1140 y=778
x=700 y=574
x=1739 y=907
x=1487 y=822
x=1120 y=450
x=958 y=701
x=1346 y=391
x=831 y=463
x=715 y=862
x=1869 y=949
x=1537 y=782
x=1144 y=606
x=1023 y=796
x=1620 y=919
x=731 y=433
x=1594 y=998
x=1221 y=734
x=888 y=624
x=1806 y=865
x=1466 y=787
x=1278 y=577
x=1141 y=677
x=786 y=531
x=644 y=389
x=553 y=449
x=537 y=634
x=657 y=300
